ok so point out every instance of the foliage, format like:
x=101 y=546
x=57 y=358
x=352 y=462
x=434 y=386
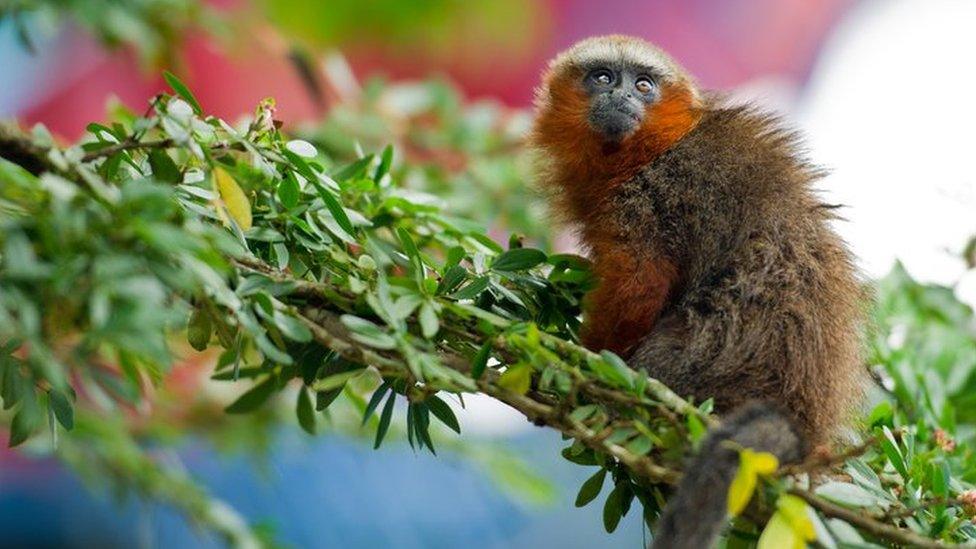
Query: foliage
x=468 y=154
x=505 y=27
x=437 y=29
x=317 y=277
x=153 y=27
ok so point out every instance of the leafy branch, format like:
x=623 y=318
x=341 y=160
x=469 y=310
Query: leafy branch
x=305 y=271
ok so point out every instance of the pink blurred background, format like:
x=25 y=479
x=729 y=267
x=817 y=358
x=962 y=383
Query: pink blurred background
x=724 y=43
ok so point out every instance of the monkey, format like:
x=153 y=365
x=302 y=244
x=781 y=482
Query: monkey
x=718 y=271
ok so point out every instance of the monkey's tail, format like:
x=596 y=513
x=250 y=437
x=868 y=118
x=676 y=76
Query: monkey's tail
x=696 y=513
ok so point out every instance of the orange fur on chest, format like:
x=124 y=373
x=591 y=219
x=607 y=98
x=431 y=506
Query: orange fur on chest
x=635 y=280
x=629 y=298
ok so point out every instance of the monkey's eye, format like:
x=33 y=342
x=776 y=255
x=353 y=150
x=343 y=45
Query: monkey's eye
x=602 y=77
x=644 y=85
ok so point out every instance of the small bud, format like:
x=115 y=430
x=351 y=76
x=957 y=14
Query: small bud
x=944 y=441
x=366 y=262
x=968 y=499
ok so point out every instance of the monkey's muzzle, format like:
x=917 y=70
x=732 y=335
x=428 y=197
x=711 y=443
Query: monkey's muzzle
x=616 y=114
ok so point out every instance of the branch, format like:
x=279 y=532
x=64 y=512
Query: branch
x=622 y=408
x=126 y=145
x=884 y=531
x=329 y=331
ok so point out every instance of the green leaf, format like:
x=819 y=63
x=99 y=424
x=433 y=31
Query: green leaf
x=584 y=413
x=416 y=262
x=849 y=495
x=63 y=410
x=696 y=429
x=443 y=412
x=453 y=278
x=518 y=259
x=429 y=323
x=301 y=166
x=591 y=488
x=639 y=445
x=386 y=160
x=613 y=369
x=335 y=381
x=368 y=333
x=941 y=477
x=289 y=191
x=586 y=457
x=305 y=411
x=254 y=398
x=385 y=418
x=355 y=169
x=517 y=379
x=881 y=414
x=707 y=406
x=613 y=508
x=25 y=422
x=181 y=90
x=480 y=361
x=891 y=450
x=97 y=129
x=323 y=399
x=291 y=327
x=374 y=401
x=163 y=167
x=473 y=289
x=335 y=208
x=199 y=329
x=421 y=425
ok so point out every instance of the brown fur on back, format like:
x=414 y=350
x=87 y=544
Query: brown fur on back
x=770 y=307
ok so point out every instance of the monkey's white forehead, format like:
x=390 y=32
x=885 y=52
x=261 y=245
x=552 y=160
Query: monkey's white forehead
x=620 y=50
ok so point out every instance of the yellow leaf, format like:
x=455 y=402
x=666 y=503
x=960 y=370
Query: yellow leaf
x=797 y=513
x=778 y=534
x=751 y=465
x=743 y=485
x=517 y=379
x=234 y=200
x=763 y=462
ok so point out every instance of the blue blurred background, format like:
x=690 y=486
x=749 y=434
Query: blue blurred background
x=324 y=492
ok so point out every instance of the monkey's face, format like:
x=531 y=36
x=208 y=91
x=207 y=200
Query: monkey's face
x=619 y=95
x=609 y=105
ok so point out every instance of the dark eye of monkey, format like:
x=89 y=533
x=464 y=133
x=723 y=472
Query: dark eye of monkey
x=644 y=85
x=602 y=77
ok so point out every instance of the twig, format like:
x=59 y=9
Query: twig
x=909 y=511
x=820 y=462
x=330 y=332
x=868 y=524
x=128 y=144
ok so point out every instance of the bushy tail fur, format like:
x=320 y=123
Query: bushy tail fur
x=696 y=513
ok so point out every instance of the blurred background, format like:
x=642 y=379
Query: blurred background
x=881 y=88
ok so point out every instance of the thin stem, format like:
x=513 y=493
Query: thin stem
x=821 y=462
x=868 y=524
x=128 y=144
